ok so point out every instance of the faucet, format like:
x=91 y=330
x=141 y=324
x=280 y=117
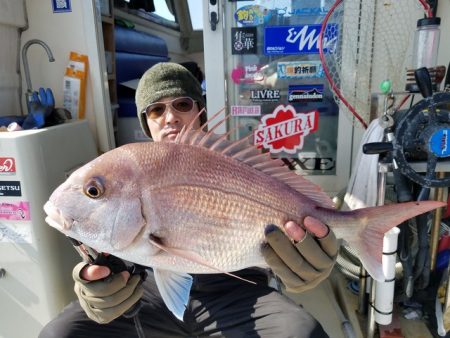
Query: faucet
x=26 y=68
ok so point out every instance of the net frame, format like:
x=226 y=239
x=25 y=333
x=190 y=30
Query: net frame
x=356 y=56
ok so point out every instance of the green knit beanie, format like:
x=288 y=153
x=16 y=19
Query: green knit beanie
x=163 y=80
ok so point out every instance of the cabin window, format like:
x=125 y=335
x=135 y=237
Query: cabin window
x=162 y=10
x=196 y=14
x=158 y=11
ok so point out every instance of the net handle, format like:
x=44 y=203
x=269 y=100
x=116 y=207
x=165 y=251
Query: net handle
x=335 y=89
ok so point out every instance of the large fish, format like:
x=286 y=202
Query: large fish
x=200 y=205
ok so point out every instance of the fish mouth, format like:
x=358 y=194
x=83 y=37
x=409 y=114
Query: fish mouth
x=55 y=217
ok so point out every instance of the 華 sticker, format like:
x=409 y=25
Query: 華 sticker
x=299 y=70
x=250 y=15
x=301 y=93
x=15 y=211
x=247 y=74
x=10 y=188
x=265 y=95
x=245 y=110
x=7 y=166
x=302 y=39
x=243 y=40
x=284 y=130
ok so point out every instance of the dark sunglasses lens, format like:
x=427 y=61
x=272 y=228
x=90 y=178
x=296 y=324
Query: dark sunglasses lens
x=183 y=104
x=155 y=110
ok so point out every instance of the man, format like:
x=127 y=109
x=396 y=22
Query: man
x=168 y=97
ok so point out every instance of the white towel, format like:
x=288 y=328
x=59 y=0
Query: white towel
x=362 y=186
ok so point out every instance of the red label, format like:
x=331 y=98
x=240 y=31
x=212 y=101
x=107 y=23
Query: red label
x=7 y=165
x=285 y=130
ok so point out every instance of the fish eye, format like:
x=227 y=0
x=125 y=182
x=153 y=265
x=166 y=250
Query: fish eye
x=94 y=188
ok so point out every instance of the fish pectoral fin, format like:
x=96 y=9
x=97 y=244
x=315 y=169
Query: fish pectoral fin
x=193 y=257
x=175 y=288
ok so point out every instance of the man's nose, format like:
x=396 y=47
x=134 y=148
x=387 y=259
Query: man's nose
x=170 y=115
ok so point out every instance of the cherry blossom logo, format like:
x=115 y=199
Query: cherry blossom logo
x=285 y=129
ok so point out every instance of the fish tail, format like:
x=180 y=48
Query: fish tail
x=364 y=229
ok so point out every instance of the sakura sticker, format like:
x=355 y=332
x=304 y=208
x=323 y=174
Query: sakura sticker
x=15 y=211
x=285 y=130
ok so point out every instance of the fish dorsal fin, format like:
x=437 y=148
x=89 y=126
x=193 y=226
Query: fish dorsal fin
x=243 y=151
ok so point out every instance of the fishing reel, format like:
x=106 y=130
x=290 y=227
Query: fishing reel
x=422 y=135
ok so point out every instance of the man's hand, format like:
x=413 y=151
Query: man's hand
x=303 y=259
x=105 y=300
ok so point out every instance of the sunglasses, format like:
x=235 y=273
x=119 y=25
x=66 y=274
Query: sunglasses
x=157 y=109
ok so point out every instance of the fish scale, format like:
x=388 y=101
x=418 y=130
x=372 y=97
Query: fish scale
x=238 y=221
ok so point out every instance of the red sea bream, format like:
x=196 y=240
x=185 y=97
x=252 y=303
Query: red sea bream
x=200 y=205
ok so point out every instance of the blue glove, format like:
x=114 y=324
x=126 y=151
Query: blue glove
x=40 y=107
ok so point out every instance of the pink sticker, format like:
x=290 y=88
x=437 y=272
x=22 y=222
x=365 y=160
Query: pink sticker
x=247 y=74
x=15 y=211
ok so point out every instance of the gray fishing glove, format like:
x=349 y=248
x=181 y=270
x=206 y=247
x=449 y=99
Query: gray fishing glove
x=300 y=265
x=105 y=300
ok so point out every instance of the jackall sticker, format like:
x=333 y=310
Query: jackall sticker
x=285 y=129
x=245 y=110
x=10 y=188
x=15 y=211
x=299 y=70
x=301 y=93
x=243 y=40
x=247 y=74
x=7 y=166
x=305 y=11
x=303 y=39
x=265 y=95
x=251 y=15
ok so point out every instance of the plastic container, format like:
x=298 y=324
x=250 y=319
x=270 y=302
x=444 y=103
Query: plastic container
x=426 y=43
